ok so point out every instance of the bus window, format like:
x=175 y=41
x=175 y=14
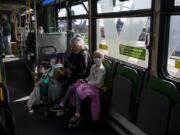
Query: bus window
x=177 y=2
x=79 y=9
x=62 y=25
x=125 y=39
x=62 y=13
x=81 y=26
x=105 y=6
x=173 y=61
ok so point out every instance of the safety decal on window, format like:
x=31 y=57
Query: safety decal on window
x=177 y=64
x=135 y=52
x=103 y=46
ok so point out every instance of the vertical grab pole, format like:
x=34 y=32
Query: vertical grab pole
x=36 y=36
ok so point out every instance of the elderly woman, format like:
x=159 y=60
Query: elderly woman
x=79 y=62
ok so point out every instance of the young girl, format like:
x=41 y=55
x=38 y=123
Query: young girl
x=83 y=89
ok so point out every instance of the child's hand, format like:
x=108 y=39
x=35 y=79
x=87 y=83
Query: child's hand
x=68 y=72
x=80 y=81
x=62 y=72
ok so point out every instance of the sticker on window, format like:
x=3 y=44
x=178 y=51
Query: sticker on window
x=177 y=64
x=103 y=46
x=135 y=52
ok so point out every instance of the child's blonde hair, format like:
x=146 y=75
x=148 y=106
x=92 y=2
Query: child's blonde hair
x=99 y=54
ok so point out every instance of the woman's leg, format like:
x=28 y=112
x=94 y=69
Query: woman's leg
x=61 y=105
x=75 y=119
x=70 y=91
x=78 y=105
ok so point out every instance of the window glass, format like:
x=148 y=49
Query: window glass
x=177 y=2
x=86 y=4
x=79 y=9
x=105 y=6
x=173 y=61
x=81 y=26
x=62 y=25
x=125 y=39
x=62 y=12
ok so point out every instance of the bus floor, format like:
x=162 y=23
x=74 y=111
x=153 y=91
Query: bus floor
x=37 y=123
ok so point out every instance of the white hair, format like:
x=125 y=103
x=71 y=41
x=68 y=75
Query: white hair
x=77 y=41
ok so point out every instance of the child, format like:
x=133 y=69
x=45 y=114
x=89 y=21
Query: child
x=83 y=89
x=47 y=86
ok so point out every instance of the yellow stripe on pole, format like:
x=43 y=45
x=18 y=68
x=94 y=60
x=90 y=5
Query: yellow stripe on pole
x=1 y=90
x=29 y=7
x=1 y=95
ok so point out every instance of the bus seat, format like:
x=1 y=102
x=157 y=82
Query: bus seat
x=153 y=112
x=108 y=66
x=173 y=128
x=155 y=105
x=125 y=76
x=164 y=87
x=121 y=98
x=129 y=73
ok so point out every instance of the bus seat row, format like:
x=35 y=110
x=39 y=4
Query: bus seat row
x=157 y=111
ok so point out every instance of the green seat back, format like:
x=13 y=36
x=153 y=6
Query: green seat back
x=108 y=66
x=164 y=87
x=130 y=74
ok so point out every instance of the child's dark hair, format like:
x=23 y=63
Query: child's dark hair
x=45 y=63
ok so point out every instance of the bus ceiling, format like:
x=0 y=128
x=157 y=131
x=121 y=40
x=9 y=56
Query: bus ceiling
x=16 y=2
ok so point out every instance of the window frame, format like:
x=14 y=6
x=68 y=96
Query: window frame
x=168 y=9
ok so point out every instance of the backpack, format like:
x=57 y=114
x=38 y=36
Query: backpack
x=50 y=87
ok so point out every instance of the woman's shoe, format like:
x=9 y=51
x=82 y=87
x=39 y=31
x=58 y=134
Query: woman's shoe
x=55 y=108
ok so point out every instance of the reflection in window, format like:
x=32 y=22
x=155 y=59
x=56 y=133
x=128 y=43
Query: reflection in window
x=113 y=33
x=177 y=2
x=62 y=25
x=105 y=6
x=62 y=12
x=79 y=9
x=81 y=26
x=174 y=47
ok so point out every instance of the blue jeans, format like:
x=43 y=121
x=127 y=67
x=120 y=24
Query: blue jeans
x=7 y=44
x=1 y=45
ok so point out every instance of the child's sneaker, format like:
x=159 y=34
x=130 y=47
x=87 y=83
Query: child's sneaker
x=74 y=121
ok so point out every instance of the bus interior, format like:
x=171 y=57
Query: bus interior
x=140 y=41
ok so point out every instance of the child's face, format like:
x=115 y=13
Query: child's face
x=42 y=69
x=97 y=59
